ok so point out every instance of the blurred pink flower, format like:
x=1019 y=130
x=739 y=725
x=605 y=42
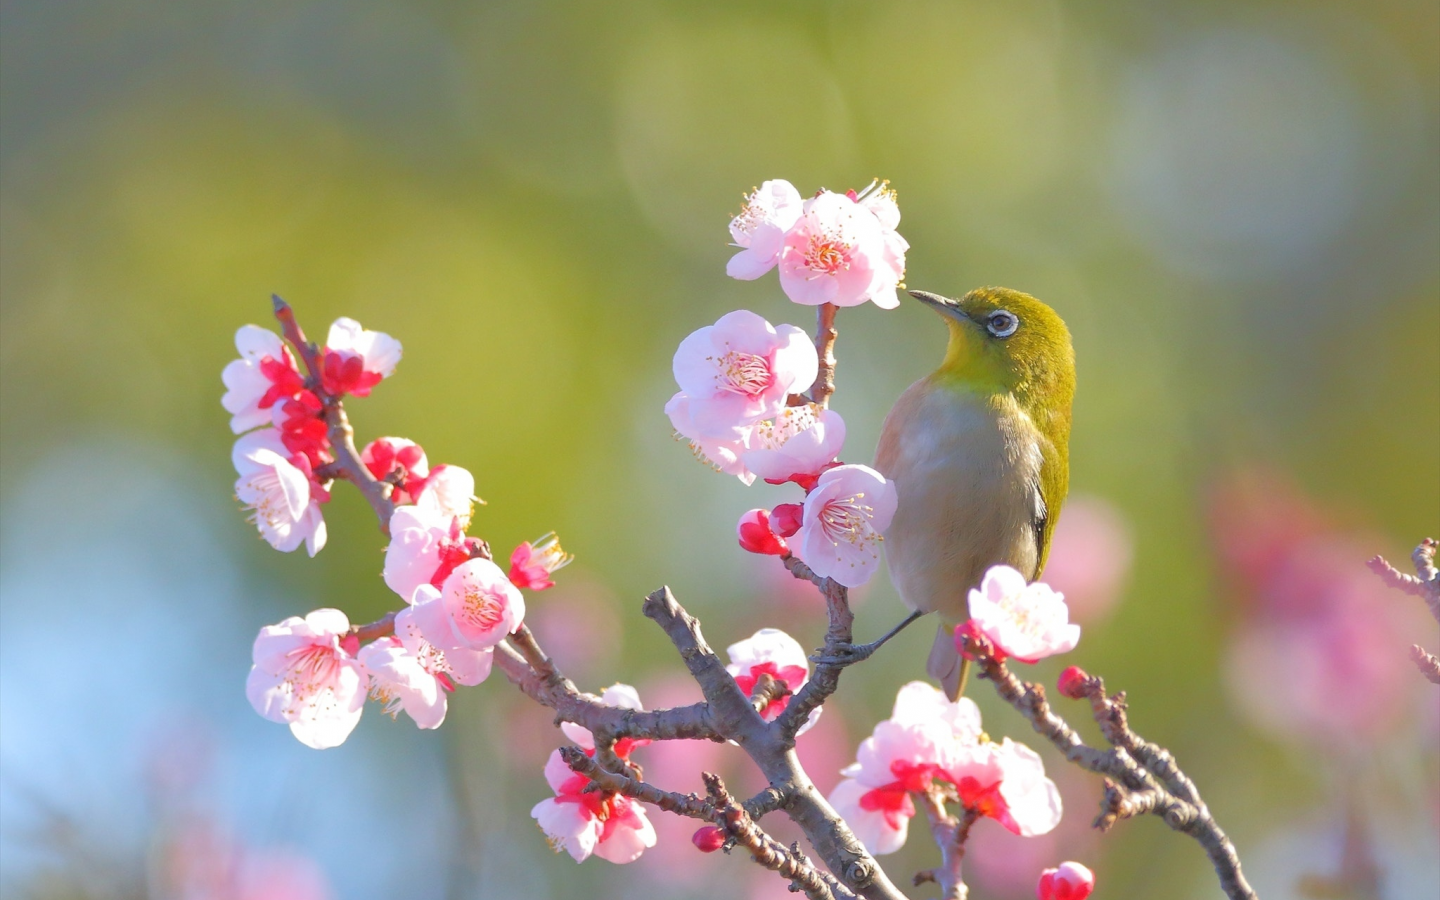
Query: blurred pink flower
x=1318 y=653
x=1069 y=881
x=577 y=623
x=760 y=228
x=850 y=507
x=1026 y=621
x=1090 y=556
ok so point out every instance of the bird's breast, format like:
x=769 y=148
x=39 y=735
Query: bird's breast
x=966 y=470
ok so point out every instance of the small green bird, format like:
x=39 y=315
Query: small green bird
x=979 y=451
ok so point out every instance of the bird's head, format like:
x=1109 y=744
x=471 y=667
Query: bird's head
x=1003 y=340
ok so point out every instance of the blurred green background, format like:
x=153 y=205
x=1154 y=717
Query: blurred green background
x=1235 y=206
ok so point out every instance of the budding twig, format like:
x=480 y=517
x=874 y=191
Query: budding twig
x=787 y=862
x=1143 y=776
x=615 y=783
x=1425 y=584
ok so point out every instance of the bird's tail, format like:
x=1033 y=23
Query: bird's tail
x=945 y=664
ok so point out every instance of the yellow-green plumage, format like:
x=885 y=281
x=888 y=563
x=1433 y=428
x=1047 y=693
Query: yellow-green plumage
x=979 y=453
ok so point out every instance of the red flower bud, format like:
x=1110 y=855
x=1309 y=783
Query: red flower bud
x=1071 y=881
x=708 y=839
x=1074 y=683
x=755 y=535
x=785 y=519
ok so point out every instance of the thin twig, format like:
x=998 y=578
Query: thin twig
x=1145 y=777
x=825 y=334
x=1425 y=584
x=613 y=782
x=787 y=862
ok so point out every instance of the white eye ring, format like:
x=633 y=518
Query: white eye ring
x=1002 y=323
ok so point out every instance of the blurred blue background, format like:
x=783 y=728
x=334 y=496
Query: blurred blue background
x=1235 y=206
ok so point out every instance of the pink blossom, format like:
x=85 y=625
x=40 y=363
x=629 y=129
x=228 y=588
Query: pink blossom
x=754 y=534
x=264 y=373
x=920 y=702
x=772 y=652
x=450 y=490
x=894 y=761
x=425 y=547
x=845 y=515
x=879 y=199
x=720 y=454
x=1028 y=622
x=760 y=228
x=836 y=253
x=399 y=459
x=475 y=608
x=355 y=360
x=797 y=445
x=1071 y=881
x=407 y=672
x=302 y=676
x=280 y=491
x=1007 y=782
x=736 y=372
x=532 y=564
x=610 y=826
x=786 y=519
x=621 y=696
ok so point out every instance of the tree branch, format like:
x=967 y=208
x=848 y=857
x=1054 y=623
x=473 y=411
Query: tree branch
x=1425 y=584
x=825 y=335
x=950 y=835
x=1145 y=777
x=613 y=782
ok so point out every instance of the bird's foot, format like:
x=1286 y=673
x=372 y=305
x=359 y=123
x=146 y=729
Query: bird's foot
x=844 y=653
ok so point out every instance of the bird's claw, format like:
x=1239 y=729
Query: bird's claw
x=846 y=654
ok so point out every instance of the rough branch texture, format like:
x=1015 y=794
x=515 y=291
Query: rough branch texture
x=950 y=835
x=1425 y=584
x=1143 y=778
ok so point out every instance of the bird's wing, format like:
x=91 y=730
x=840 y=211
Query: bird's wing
x=1051 y=487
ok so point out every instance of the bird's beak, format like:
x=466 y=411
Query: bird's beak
x=944 y=305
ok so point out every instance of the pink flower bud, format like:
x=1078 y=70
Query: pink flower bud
x=708 y=839
x=1074 y=683
x=786 y=518
x=1071 y=881
x=755 y=535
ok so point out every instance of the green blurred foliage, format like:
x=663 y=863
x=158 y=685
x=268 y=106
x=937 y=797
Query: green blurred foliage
x=533 y=198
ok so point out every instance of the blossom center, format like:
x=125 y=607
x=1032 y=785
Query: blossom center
x=847 y=519
x=826 y=254
x=481 y=608
x=743 y=373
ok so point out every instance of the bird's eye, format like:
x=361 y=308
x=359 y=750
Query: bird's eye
x=1002 y=323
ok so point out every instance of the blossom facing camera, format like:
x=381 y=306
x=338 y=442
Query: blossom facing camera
x=585 y=823
x=355 y=359
x=264 y=374
x=738 y=371
x=280 y=491
x=302 y=676
x=845 y=515
x=1068 y=881
x=474 y=609
x=836 y=253
x=759 y=229
x=532 y=564
x=1026 y=621
x=753 y=531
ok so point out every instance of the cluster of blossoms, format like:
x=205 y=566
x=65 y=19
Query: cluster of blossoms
x=312 y=673
x=285 y=444
x=929 y=741
x=832 y=248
